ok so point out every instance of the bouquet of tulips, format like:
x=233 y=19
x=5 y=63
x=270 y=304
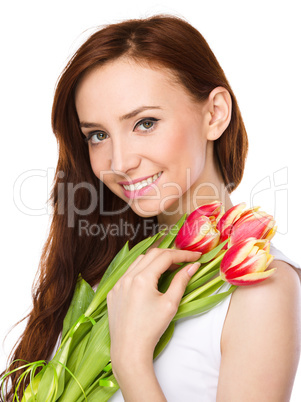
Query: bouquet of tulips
x=235 y=249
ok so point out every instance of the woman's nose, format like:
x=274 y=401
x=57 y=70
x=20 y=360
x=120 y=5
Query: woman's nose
x=123 y=157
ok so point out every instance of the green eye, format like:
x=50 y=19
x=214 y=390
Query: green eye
x=95 y=137
x=147 y=124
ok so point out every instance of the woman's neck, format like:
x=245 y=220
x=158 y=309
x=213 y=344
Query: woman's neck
x=208 y=188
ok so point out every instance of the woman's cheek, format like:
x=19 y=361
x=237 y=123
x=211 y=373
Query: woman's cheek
x=98 y=163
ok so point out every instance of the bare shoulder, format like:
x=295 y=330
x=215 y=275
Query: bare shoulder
x=261 y=338
x=279 y=291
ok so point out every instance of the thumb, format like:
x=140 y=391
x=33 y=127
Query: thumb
x=178 y=284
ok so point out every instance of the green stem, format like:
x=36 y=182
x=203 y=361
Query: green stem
x=168 y=276
x=202 y=271
x=193 y=295
x=201 y=281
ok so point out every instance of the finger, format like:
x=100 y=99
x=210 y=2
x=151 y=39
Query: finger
x=173 y=267
x=147 y=258
x=179 y=283
x=159 y=260
x=134 y=264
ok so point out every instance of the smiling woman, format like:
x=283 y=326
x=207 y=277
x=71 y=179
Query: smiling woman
x=125 y=148
x=149 y=129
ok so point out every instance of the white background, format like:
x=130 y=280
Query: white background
x=257 y=44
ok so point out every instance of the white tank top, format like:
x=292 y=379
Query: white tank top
x=188 y=368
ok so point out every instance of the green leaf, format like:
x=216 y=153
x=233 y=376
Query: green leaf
x=165 y=338
x=32 y=389
x=210 y=290
x=75 y=356
x=209 y=256
x=52 y=383
x=168 y=240
x=201 y=305
x=97 y=351
x=115 y=262
x=82 y=297
x=95 y=386
x=77 y=337
x=103 y=393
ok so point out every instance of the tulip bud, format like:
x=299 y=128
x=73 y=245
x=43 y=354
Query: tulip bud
x=215 y=209
x=245 y=263
x=252 y=223
x=226 y=222
x=199 y=231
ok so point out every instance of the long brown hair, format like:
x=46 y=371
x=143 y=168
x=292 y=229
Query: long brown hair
x=160 y=40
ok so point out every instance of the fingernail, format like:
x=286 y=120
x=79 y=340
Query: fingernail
x=193 y=268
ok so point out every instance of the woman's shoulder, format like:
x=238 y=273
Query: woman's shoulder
x=280 y=256
x=274 y=295
x=262 y=333
x=260 y=305
x=270 y=296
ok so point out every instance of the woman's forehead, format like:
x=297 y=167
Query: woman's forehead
x=124 y=70
x=125 y=84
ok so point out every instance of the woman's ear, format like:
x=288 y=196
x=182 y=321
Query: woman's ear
x=219 y=105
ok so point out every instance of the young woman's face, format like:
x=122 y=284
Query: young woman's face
x=142 y=127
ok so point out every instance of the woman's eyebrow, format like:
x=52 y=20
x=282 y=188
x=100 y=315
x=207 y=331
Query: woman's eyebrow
x=84 y=124
x=129 y=115
x=136 y=111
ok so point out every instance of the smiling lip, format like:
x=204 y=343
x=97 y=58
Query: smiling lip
x=127 y=183
x=138 y=193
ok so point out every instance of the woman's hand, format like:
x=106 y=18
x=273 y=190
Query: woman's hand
x=138 y=313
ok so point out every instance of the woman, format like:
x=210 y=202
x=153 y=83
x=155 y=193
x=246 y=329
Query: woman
x=145 y=101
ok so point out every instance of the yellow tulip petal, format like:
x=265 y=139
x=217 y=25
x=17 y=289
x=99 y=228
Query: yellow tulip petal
x=251 y=279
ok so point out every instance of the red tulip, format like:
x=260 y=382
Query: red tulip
x=226 y=221
x=245 y=263
x=252 y=223
x=199 y=231
x=215 y=209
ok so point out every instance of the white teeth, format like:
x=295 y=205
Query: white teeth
x=143 y=183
